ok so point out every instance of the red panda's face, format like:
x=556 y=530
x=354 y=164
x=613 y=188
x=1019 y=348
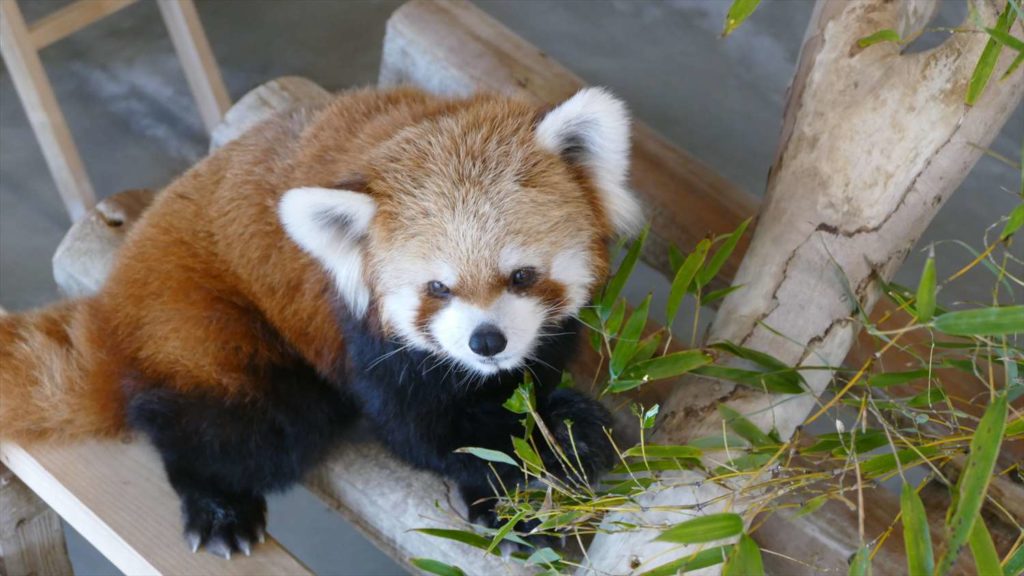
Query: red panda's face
x=481 y=230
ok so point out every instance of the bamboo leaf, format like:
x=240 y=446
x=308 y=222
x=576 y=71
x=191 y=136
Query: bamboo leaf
x=649 y=417
x=716 y=295
x=435 y=567
x=885 y=463
x=1013 y=223
x=738 y=12
x=615 y=318
x=992 y=321
x=916 y=535
x=707 y=273
x=504 y=530
x=975 y=479
x=782 y=382
x=527 y=454
x=489 y=455
x=986 y=559
x=702 y=559
x=1013 y=66
x=861 y=564
x=1015 y=428
x=647 y=348
x=1006 y=39
x=704 y=529
x=1014 y=563
x=629 y=339
x=895 y=378
x=543 y=556
x=471 y=538
x=667 y=366
x=745 y=428
x=684 y=278
x=811 y=506
x=987 y=61
x=884 y=35
x=675 y=258
x=926 y=290
x=664 y=451
x=618 y=281
x=745 y=559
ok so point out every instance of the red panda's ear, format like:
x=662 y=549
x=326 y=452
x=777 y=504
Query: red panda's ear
x=330 y=224
x=591 y=130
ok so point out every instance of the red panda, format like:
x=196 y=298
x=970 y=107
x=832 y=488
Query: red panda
x=390 y=255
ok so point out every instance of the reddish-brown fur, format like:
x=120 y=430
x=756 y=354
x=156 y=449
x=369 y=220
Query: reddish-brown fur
x=209 y=293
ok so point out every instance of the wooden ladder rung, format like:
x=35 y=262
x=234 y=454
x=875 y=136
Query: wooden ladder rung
x=72 y=18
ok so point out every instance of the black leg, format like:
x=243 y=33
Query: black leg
x=222 y=456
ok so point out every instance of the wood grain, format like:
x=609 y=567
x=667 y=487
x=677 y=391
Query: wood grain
x=31 y=536
x=72 y=18
x=117 y=496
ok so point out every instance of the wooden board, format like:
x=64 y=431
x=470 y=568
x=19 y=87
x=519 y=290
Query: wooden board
x=72 y=18
x=117 y=496
x=43 y=111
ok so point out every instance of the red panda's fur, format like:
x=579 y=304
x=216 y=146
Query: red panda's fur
x=214 y=264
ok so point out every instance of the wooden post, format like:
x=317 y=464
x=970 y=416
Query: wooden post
x=31 y=536
x=873 y=142
x=197 y=60
x=44 y=114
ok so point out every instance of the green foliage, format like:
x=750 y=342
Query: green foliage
x=974 y=481
x=884 y=35
x=738 y=12
x=906 y=417
x=435 y=567
x=989 y=56
x=916 y=534
x=704 y=529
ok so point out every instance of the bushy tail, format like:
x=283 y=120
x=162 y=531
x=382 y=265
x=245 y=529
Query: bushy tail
x=52 y=384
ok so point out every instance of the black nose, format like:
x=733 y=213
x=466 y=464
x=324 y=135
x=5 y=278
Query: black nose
x=487 y=340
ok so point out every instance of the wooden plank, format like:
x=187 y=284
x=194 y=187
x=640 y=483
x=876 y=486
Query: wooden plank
x=197 y=60
x=117 y=496
x=43 y=112
x=31 y=536
x=72 y=18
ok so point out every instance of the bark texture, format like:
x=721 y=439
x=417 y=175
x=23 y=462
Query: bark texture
x=873 y=142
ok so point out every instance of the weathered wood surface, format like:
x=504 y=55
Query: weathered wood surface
x=86 y=253
x=117 y=496
x=31 y=536
x=839 y=214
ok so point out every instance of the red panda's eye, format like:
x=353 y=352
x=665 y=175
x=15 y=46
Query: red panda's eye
x=438 y=289
x=523 y=277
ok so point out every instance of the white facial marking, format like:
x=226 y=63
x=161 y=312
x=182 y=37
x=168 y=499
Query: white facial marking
x=512 y=258
x=572 y=269
x=595 y=126
x=399 y=309
x=328 y=224
x=518 y=317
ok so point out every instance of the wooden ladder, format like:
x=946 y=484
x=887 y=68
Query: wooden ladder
x=20 y=44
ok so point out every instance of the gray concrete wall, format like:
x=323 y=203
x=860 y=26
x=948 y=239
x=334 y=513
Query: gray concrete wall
x=136 y=126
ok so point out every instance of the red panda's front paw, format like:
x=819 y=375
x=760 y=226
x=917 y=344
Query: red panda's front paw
x=224 y=524
x=581 y=426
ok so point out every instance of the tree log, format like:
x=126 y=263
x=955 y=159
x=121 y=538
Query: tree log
x=873 y=143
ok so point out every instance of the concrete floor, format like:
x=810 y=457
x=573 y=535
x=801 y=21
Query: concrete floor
x=136 y=126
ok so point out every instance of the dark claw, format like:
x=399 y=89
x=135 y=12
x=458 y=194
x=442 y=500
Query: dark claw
x=224 y=524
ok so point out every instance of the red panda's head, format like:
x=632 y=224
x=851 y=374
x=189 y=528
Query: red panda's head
x=480 y=229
